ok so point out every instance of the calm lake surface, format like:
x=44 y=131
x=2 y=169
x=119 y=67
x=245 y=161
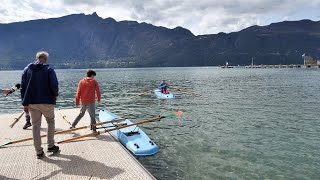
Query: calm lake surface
x=247 y=123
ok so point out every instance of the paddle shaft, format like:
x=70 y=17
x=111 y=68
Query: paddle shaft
x=65 y=131
x=84 y=127
x=112 y=129
x=99 y=122
x=64 y=117
x=16 y=119
x=186 y=90
x=140 y=94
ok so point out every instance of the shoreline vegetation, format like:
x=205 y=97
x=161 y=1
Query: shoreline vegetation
x=221 y=67
x=134 y=62
x=274 y=66
x=116 y=66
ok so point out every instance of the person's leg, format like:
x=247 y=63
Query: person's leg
x=48 y=112
x=28 y=122
x=92 y=113
x=27 y=117
x=81 y=114
x=36 y=125
x=165 y=91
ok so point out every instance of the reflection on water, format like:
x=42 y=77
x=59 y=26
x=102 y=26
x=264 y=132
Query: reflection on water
x=247 y=123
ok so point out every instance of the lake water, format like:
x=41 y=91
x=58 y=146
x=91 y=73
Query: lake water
x=247 y=123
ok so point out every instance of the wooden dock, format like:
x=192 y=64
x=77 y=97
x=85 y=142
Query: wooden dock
x=100 y=157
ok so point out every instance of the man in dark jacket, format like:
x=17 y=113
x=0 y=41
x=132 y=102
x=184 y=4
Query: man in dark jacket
x=39 y=91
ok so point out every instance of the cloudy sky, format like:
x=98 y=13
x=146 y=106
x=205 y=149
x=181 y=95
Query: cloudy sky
x=199 y=16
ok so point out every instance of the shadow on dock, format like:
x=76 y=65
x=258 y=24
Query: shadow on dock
x=73 y=165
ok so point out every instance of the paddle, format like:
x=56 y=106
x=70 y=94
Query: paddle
x=64 y=131
x=146 y=92
x=99 y=122
x=173 y=115
x=64 y=117
x=16 y=119
x=186 y=90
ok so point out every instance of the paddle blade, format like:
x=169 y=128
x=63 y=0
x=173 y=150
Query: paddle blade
x=179 y=113
x=4 y=145
x=176 y=114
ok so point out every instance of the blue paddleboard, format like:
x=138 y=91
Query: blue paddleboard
x=133 y=138
x=160 y=95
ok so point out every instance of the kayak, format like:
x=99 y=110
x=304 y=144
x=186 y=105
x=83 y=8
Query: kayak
x=160 y=95
x=133 y=138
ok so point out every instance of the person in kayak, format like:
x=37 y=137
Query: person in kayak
x=164 y=87
x=87 y=90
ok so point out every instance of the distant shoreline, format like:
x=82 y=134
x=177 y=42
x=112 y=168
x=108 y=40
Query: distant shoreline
x=262 y=66
x=274 y=66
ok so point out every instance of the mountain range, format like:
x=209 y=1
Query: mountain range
x=83 y=41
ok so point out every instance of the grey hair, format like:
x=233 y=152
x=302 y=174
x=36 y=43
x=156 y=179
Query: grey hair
x=42 y=55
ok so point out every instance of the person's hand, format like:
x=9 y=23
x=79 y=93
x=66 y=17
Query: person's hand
x=26 y=109
x=7 y=91
x=18 y=86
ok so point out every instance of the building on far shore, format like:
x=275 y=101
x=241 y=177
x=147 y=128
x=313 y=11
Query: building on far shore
x=309 y=62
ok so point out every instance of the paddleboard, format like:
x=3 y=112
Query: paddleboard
x=160 y=95
x=133 y=138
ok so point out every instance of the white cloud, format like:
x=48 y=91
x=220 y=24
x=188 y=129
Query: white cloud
x=200 y=16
